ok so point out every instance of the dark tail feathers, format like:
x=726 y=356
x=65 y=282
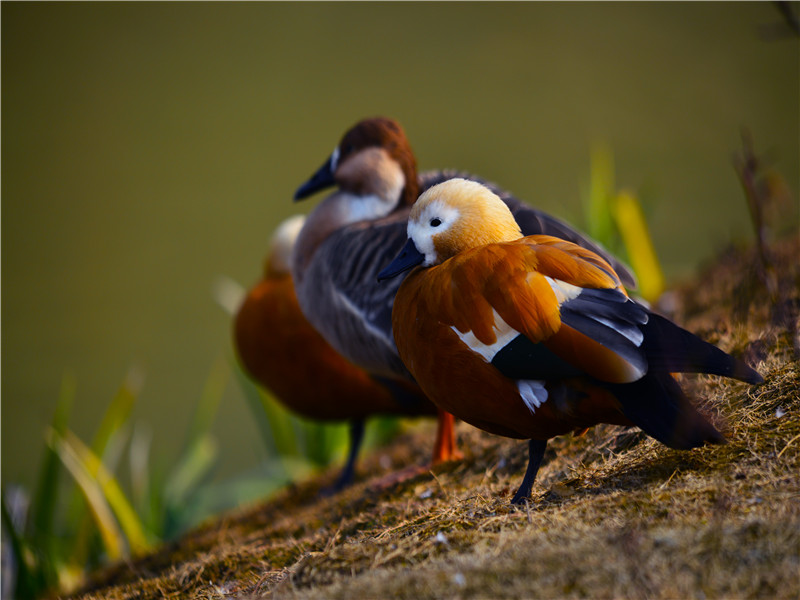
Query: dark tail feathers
x=671 y=349
x=657 y=405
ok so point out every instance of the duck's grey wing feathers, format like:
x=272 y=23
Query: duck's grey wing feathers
x=353 y=312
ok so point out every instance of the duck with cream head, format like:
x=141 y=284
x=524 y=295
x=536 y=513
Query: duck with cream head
x=362 y=225
x=533 y=337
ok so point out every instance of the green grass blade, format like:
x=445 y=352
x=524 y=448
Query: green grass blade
x=43 y=506
x=141 y=475
x=286 y=435
x=194 y=465
x=242 y=489
x=380 y=431
x=601 y=187
x=252 y=397
x=106 y=525
x=112 y=492
x=154 y=498
x=273 y=420
x=210 y=399
x=107 y=441
x=200 y=450
x=323 y=442
x=118 y=411
x=632 y=226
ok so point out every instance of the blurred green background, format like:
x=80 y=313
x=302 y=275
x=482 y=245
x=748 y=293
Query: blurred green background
x=148 y=148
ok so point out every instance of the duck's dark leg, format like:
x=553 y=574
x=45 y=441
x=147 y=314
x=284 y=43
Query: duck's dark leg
x=536 y=450
x=356 y=437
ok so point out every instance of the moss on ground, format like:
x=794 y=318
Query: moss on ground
x=613 y=513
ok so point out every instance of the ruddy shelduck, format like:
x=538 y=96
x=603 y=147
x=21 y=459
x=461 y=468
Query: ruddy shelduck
x=533 y=337
x=357 y=229
x=280 y=350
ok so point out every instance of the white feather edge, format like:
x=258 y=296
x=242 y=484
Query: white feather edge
x=504 y=332
x=564 y=291
x=532 y=392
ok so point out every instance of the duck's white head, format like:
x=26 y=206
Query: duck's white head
x=451 y=217
x=457 y=215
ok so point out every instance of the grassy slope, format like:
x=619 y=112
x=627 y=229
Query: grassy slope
x=613 y=513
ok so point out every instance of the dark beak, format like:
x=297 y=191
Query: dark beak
x=320 y=180
x=409 y=257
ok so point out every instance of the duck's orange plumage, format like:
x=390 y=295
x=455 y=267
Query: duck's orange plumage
x=534 y=337
x=280 y=349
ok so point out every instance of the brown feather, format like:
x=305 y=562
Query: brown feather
x=280 y=349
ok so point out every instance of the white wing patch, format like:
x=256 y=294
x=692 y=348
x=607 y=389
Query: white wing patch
x=564 y=291
x=532 y=393
x=504 y=332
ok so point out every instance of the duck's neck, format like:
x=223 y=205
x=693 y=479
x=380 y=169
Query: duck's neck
x=372 y=185
x=338 y=210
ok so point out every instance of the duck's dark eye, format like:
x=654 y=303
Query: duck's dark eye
x=435 y=222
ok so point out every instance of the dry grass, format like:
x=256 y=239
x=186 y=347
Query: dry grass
x=613 y=513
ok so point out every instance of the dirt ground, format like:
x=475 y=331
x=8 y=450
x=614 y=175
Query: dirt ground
x=613 y=513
